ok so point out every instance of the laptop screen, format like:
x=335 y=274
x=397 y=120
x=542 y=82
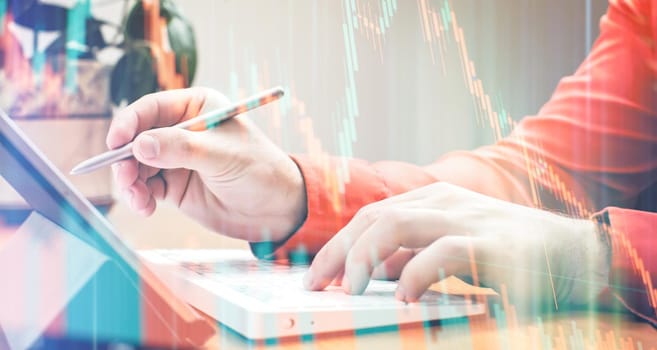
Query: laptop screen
x=48 y=192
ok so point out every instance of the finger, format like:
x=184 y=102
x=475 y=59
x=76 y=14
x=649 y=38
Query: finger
x=171 y=148
x=331 y=258
x=177 y=182
x=400 y=227
x=159 y=109
x=125 y=173
x=449 y=255
x=329 y=261
x=146 y=172
x=149 y=208
x=392 y=267
x=141 y=196
x=337 y=281
x=157 y=187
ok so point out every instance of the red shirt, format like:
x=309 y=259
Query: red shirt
x=591 y=148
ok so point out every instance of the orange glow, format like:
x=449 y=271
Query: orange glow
x=164 y=58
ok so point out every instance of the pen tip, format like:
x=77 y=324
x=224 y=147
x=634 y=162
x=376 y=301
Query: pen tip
x=75 y=171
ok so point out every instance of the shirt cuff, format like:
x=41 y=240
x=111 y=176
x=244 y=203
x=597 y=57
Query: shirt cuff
x=336 y=188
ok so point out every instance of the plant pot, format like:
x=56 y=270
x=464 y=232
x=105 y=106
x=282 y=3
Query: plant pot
x=65 y=142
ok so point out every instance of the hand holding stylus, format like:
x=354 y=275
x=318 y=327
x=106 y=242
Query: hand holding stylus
x=232 y=179
x=202 y=122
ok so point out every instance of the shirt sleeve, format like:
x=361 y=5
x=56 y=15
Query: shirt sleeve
x=596 y=138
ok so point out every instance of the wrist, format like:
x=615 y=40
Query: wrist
x=295 y=211
x=586 y=257
x=298 y=197
x=294 y=203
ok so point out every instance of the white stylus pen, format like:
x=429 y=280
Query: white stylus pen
x=202 y=122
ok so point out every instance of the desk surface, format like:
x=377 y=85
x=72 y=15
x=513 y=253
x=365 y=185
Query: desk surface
x=169 y=229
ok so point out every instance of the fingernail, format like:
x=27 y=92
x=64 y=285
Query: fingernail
x=308 y=280
x=149 y=147
x=400 y=294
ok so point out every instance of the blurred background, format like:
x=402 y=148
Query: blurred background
x=413 y=102
x=411 y=99
x=373 y=79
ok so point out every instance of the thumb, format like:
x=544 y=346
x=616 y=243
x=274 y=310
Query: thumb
x=171 y=148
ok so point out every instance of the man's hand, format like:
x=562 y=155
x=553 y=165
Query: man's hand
x=440 y=230
x=232 y=178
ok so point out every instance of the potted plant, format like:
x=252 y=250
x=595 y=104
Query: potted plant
x=63 y=94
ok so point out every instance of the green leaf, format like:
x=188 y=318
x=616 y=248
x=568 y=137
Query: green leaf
x=179 y=29
x=183 y=43
x=133 y=76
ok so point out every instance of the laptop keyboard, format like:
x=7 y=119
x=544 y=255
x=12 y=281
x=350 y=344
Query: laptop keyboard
x=280 y=285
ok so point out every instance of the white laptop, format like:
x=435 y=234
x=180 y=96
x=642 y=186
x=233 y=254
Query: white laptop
x=258 y=299
x=264 y=299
